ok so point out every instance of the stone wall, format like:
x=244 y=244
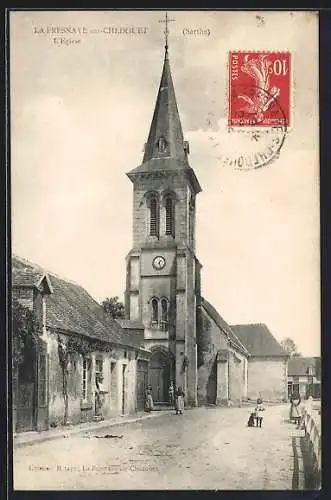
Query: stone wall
x=267 y=378
x=210 y=340
x=119 y=368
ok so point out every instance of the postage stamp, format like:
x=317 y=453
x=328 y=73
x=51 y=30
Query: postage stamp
x=259 y=89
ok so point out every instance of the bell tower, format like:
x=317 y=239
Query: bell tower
x=163 y=272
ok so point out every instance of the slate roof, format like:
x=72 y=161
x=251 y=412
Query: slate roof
x=72 y=309
x=212 y=312
x=298 y=366
x=29 y=278
x=166 y=124
x=130 y=324
x=258 y=340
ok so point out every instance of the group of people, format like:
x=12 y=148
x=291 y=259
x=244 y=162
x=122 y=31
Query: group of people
x=176 y=398
x=256 y=417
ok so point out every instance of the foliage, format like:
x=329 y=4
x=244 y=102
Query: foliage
x=114 y=307
x=75 y=345
x=318 y=368
x=84 y=346
x=26 y=329
x=290 y=347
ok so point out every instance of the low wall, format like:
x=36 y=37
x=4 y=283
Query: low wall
x=312 y=425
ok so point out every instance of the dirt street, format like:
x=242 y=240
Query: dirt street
x=202 y=449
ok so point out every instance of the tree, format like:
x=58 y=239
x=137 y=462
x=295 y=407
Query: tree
x=290 y=347
x=114 y=307
x=26 y=329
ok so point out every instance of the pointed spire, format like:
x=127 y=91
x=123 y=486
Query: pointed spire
x=165 y=149
x=165 y=139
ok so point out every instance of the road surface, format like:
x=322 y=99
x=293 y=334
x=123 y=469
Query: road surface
x=205 y=448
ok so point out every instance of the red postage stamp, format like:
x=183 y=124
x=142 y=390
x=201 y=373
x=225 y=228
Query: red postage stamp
x=259 y=89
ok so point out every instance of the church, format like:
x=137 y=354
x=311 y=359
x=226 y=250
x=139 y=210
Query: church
x=191 y=344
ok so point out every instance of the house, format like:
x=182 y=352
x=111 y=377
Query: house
x=78 y=344
x=267 y=365
x=304 y=376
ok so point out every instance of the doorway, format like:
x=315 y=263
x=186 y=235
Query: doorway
x=159 y=374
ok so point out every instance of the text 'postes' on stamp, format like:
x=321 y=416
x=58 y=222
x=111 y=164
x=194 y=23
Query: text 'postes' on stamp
x=259 y=89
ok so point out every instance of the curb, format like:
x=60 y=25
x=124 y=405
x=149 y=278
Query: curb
x=65 y=433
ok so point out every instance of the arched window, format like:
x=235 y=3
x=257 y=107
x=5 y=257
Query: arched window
x=170 y=216
x=153 y=216
x=164 y=313
x=155 y=310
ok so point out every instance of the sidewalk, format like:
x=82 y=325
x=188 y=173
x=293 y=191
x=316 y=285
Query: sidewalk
x=34 y=437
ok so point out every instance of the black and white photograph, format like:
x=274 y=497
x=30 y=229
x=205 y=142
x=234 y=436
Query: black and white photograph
x=165 y=235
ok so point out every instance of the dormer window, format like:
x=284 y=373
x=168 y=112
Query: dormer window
x=186 y=147
x=162 y=145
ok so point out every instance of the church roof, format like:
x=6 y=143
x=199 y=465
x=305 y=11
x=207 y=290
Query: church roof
x=215 y=315
x=165 y=149
x=166 y=122
x=258 y=340
x=72 y=309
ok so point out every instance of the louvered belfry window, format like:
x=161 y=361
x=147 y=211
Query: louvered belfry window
x=155 y=310
x=153 y=229
x=170 y=223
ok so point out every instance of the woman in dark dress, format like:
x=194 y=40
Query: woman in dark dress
x=180 y=401
x=148 y=399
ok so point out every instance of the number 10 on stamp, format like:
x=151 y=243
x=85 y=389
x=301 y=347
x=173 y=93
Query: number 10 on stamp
x=259 y=89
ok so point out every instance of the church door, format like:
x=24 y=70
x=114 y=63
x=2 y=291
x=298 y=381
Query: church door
x=159 y=373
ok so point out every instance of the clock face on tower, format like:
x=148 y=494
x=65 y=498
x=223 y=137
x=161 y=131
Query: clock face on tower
x=159 y=262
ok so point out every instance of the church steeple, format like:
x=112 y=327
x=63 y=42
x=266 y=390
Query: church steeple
x=165 y=139
x=165 y=149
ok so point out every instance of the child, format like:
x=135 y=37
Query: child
x=259 y=409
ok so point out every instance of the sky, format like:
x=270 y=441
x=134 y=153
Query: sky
x=80 y=115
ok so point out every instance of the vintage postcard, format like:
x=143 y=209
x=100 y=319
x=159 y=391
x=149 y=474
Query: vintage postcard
x=165 y=237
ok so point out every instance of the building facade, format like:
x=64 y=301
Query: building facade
x=304 y=376
x=268 y=363
x=100 y=351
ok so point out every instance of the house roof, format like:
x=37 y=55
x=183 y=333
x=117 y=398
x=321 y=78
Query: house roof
x=72 y=309
x=258 y=340
x=30 y=278
x=130 y=324
x=211 y=311
x=299 y=365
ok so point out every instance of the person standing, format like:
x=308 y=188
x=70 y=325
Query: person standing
x=297 y=408
x=259 y=410
x=148 y=399
x=180 y=401
x=100 y=397
x=171 y=393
